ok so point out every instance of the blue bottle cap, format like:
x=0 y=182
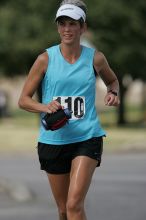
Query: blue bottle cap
x=67 y=112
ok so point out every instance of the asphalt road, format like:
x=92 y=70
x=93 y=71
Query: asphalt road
x=117 y=192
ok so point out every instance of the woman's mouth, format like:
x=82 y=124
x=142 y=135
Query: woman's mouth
x=67 y=35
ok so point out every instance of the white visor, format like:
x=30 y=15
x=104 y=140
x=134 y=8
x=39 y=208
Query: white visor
x=71 y=11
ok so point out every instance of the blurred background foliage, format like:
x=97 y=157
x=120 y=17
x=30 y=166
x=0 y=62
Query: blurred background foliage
x=118 y=28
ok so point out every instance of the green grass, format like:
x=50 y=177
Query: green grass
x=19 y=134
x=133 y=114
x=125 y=139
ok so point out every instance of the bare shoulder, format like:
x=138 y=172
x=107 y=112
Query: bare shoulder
x=43 y=57
x=99 y=59
x=42 y=61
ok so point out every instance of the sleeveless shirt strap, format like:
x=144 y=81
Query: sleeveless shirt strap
x=95 y=71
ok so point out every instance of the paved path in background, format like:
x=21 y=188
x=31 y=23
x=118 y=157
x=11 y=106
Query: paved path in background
x=117 y=192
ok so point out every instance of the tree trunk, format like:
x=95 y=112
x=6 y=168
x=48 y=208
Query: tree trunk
x=121 y=109
x=144 y=102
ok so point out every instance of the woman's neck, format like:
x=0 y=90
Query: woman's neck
x=70 y=52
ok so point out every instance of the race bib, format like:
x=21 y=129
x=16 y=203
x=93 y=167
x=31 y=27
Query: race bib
x=76 y=104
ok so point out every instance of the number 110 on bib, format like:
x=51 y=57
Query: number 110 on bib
x=76 y=104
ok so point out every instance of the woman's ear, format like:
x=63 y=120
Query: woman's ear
x=84 y=28
x=58 y=29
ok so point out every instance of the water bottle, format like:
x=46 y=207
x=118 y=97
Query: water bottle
x=54 y=121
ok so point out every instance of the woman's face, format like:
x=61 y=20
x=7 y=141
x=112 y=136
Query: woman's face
x=70 y=30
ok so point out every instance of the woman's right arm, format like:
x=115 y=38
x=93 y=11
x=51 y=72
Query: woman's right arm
x=32 y=82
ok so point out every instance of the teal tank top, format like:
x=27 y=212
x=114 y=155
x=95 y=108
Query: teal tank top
x=73 y=85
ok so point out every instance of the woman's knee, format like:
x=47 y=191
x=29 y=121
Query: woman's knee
x=74 y=205
x=61 y=205
x=61 y=208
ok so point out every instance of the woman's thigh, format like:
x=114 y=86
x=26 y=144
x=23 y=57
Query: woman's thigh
x=82 y=170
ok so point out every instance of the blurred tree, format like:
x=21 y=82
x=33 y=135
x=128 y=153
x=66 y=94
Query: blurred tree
x=119 y=28
x=26 y=28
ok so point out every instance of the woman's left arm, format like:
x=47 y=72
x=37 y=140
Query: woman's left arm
x=109 y=78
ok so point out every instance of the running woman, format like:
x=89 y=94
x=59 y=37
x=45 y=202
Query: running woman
x=70 y=154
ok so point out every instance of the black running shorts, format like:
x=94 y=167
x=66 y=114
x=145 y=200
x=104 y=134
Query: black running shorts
x=56 y=159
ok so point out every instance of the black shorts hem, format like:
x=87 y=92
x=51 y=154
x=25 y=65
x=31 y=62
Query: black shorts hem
x=98 y=159
x=55 y=172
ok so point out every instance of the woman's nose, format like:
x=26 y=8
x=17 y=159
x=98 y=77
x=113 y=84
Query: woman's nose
x=67 y=28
